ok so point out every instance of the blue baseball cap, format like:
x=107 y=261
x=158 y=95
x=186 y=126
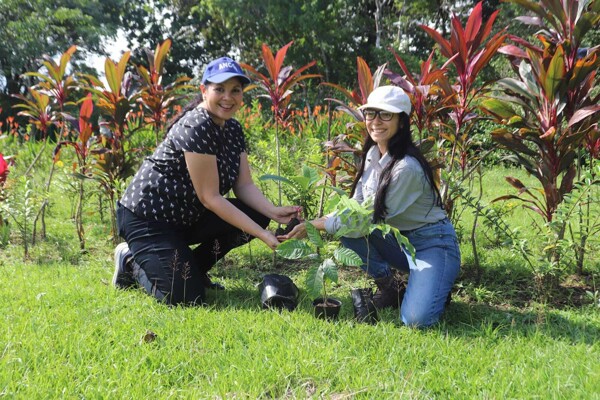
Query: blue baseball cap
x=221 y=69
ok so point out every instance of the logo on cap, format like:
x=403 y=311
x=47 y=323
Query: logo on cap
x=224 y=68
x=227 y=65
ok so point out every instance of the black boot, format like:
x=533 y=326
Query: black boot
x=389 y=292
x=208 y=283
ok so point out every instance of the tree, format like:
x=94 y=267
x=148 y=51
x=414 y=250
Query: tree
x=31 y=28
x=332 y=32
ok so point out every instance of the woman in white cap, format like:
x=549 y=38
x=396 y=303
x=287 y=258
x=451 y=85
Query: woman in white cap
x=397 y=177
x=176 y=199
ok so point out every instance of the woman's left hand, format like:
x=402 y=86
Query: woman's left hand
x=299 y=232
x=283 y=215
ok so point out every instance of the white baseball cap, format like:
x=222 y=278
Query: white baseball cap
x=388 y=98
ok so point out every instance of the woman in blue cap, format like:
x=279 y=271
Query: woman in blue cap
x=176 y=199
x=397 y=178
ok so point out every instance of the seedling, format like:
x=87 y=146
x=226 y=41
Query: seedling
x=325 y=273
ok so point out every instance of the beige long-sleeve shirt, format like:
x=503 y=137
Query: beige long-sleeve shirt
x=410 y=200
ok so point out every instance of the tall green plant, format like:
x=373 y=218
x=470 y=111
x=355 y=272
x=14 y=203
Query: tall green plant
x=550 y=108
x=583 y=225
x=19 y=205
x=42 y=116
x=278 y=85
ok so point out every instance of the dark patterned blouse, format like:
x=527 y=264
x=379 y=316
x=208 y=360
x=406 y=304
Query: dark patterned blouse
x=162 y=189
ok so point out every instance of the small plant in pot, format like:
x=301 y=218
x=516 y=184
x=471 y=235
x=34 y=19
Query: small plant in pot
x=320 y=275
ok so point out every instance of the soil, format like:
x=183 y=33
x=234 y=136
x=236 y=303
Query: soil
x=327 y=304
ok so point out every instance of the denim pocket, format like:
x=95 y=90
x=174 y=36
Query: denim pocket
x=440 y=234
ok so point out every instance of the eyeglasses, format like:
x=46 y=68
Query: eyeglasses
x=383 y=115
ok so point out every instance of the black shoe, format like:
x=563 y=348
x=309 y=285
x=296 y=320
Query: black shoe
x=209 y=284
x=389 y=294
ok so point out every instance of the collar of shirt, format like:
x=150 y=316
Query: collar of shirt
x=376 y=161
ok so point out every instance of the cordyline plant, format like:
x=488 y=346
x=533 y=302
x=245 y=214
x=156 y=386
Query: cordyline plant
x=344 y=149
x=56 y=83
x=59 y=87
x=469 y=50
x=429 y=93
x=38 y=109
x=549 y=112
x=115 y=103
x=157 y=99
x=278 y=85
x=433 y=97
x=82 y=148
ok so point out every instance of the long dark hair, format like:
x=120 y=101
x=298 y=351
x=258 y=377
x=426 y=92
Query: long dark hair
x=399 y=146
x=189 y=106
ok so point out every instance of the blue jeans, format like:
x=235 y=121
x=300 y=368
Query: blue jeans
x=437 y=266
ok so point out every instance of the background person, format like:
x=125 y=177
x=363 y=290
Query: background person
x=176 y=200
x=396 y=175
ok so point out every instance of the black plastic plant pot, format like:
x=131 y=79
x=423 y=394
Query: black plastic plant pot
x=364 y=309
x=329 y=309
x=288 y=228
x=278 y=292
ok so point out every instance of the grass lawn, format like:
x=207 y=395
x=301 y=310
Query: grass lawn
x=66 y=333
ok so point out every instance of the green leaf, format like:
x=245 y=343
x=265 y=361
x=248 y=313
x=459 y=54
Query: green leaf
x=314 y=281
x=330 y=271
x=110 y=71
x=347 y=257
x=310 y=173
x=529 y=78
x=161 y=54
x=517 y=87
x=270 y=177
x=302 y=181
x=294 y=249
x=499 y=108
x=313 y=235
x=555 y=74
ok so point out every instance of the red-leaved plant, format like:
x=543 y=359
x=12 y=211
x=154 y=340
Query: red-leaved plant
x=469 y=49
x=278 y=85
x=549 y=112
x=156 y=98
x=343 y=150
x=115 y=102
x=82 y=148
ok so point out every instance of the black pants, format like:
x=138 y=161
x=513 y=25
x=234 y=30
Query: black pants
x=166 y=266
